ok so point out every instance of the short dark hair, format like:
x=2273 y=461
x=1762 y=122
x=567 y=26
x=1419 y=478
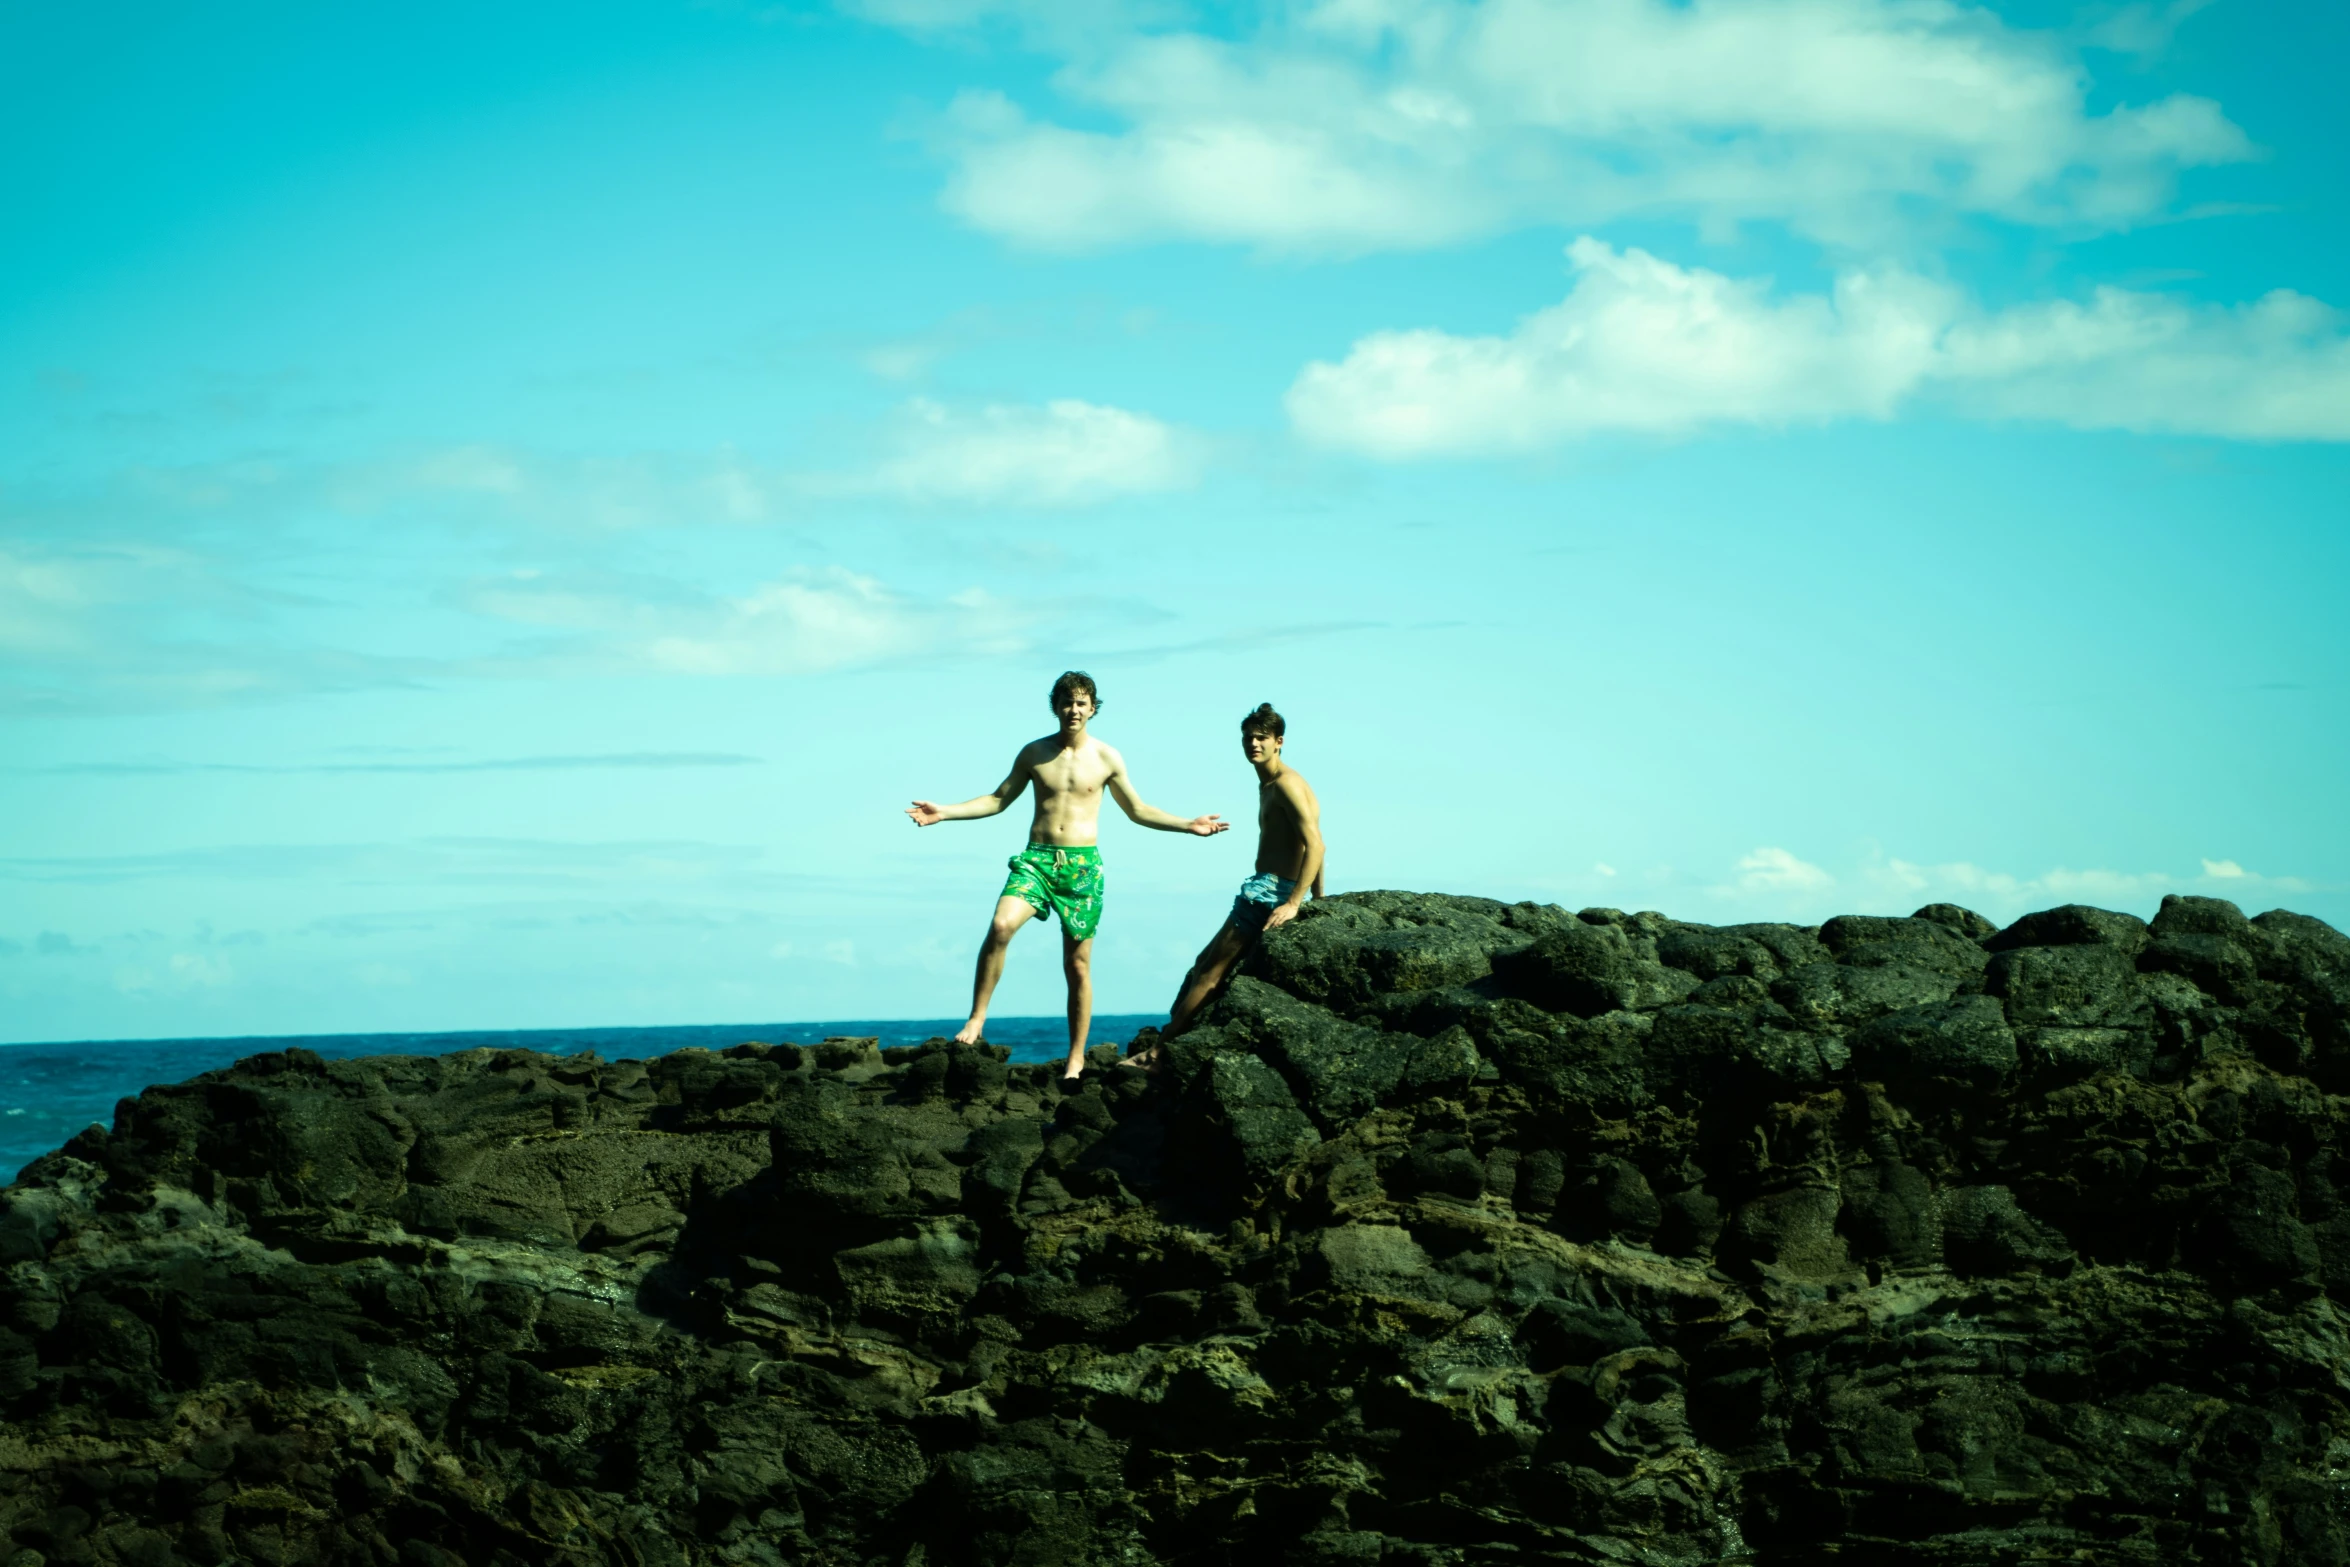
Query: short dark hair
x=1264 y=721
x=1075 y=680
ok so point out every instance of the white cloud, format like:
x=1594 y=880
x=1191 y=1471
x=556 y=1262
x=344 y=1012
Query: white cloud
x=806 y=622
x=803 y=622
x=597 y=493
x=469 y=468
x=901 y=361
x=1037 y=19
x=194 y=968
x=1640 y=344
x=55 y=598
x=921 y=16
x=2005 y=894
x=42 y=600
x=467 y=482
x=2140 y=28
x=1774 y=883
x=182 y=971
x=1062 y=453
x=68 y=600
x=112 y=625
x=2275 y=369
x=130 y=627
x=1066 y=452
x=1776 y=870
x=1352 y=125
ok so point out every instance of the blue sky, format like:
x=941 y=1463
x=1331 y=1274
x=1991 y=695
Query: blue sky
x=499 y=509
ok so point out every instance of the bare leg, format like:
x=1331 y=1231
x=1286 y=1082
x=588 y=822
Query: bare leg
x=1010 y=915
x=1207 y=975
x=1208 y=972
x=1077 y=963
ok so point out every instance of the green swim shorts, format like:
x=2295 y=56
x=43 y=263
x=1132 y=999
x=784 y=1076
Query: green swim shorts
x=1067 y=882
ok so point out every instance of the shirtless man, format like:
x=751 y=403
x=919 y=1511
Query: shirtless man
x=1060 y=872
x=1289 y=870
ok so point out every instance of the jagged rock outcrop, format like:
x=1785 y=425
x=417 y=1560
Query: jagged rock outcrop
x=1458 y=1232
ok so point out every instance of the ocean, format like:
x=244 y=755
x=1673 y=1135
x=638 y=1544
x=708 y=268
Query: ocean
x=50 y=1092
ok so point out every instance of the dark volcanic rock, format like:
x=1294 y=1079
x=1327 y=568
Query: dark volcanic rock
x=1457 y=1232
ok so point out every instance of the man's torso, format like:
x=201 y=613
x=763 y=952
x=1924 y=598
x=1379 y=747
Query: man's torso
x=1068 y=786
x=1281 y=839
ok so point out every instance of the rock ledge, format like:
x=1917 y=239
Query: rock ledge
x=1459 y=1232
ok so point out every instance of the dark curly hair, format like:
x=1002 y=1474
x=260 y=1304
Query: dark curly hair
x=1264 y=721
x=1075 y=680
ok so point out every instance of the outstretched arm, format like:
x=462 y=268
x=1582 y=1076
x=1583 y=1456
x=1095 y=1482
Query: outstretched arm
x=1300 y=799
x=928 y=814
x=1142 y=815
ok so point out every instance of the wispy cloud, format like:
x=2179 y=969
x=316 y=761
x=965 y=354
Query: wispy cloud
x=440 y=861
x=2005 y=893
x=1774 y=881
x=1375 y=124
x=463 y=484
x=1640 y=344
x=201 y=969
x=1057 y=454
x=126 y=625
x=598 y=494
x=1774 y=870
x=2277 y=368
x=2142 y=28
x=1245 y=637
x=44 y=600
x=801 y=623
x=507 y=764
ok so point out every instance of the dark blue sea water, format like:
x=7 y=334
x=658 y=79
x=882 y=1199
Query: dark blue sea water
x=50 y=1092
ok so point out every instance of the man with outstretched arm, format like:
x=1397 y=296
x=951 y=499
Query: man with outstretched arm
x=1289 y=870
x=1060 y=872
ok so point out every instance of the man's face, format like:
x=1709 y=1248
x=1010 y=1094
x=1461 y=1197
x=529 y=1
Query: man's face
x=1074 y=709
x=1258 y=746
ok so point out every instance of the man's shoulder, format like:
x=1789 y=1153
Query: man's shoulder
x=1106 y=751
x=1294 y=793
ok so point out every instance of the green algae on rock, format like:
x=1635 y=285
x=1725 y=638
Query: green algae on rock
x=1458 y=1232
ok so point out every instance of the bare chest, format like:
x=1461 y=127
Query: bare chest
x=1072 y=772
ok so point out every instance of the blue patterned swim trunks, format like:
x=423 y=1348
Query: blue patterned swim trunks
x=1259 y=896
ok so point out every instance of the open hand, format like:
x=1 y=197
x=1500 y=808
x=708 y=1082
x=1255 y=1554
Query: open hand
x=926 y=814
x=1206 y=826
x=1282 y=914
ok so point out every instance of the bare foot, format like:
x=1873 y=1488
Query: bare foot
x=969 y=1033
x=1143 y=1052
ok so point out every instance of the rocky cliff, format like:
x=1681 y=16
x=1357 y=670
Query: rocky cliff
x=1460 y=1232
